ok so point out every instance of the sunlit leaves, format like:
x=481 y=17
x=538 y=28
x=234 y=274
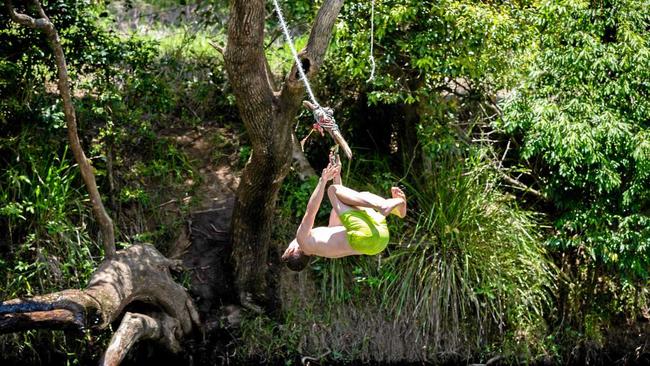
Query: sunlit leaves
x=421 y=45
x=583 y=112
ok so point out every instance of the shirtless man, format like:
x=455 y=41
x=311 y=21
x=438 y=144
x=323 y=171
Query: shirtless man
x=357 y=223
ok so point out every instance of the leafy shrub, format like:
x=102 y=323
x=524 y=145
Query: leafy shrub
x=471 y=266
x=582 y=115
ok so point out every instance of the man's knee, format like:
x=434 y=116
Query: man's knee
x=332 y=189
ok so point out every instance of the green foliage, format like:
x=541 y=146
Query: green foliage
x=582 y=112
x=49 y=246
x=126 y=89
x=465 y=274
x=472 y=262
x=421 y=45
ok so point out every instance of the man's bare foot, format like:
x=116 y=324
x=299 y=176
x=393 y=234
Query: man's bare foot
x=400 y=210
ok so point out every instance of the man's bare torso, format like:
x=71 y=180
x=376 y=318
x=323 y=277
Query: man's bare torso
x=328 y=241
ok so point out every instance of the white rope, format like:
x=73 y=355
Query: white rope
x=372 y=42
x=324 y=116
x=287 y=36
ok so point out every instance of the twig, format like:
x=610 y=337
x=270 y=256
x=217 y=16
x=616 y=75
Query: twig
x=504 y=155
x=522 y=186
x=167 y=203
x=217 y=230
x=305 y=359
x=219 y=48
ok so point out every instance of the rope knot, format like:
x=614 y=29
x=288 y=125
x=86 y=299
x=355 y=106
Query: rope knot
x=324 y=121
x=324 y=117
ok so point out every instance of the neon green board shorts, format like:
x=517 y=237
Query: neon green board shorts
x=366 y=230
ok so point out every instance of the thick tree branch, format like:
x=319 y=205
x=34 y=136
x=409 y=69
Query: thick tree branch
x=22 y=19
x=43 y=23
x=137 y=274
x=51 y=319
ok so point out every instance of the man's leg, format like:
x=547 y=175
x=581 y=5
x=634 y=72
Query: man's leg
x=351 y=198
x=338 y=207
x=334 y=219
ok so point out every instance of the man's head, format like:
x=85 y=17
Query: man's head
x=294 y=257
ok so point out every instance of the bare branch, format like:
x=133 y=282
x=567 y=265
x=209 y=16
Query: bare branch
x=19 y=18
x=302 y=166
x=519 y=185
x=505 y=153
x=41 y=12
x=85 y=166
x=217 y=47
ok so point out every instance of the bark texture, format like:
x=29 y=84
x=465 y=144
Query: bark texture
x=267 y=115
x=135 y=327
x=43 y=24
x=139 y=274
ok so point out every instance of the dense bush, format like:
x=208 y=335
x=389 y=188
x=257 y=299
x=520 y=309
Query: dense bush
x=580 y=117
x=582 y=114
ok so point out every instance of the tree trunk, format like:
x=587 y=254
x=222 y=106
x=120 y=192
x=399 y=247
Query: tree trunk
x=267 y=115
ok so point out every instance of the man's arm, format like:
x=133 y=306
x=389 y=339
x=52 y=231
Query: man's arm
x=337 y=176
x=312 y=209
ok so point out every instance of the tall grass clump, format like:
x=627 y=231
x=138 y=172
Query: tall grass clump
x=470 y=266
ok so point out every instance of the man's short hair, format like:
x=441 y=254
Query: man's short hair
x=296 y=261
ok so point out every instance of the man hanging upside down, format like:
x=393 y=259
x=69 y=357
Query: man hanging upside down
x=357 y=223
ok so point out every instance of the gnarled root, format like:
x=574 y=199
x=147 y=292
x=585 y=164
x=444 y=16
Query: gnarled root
x=137 y=274
x=134 y=327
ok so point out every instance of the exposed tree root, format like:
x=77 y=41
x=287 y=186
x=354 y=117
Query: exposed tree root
x=137 y=274
x=135 y=327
